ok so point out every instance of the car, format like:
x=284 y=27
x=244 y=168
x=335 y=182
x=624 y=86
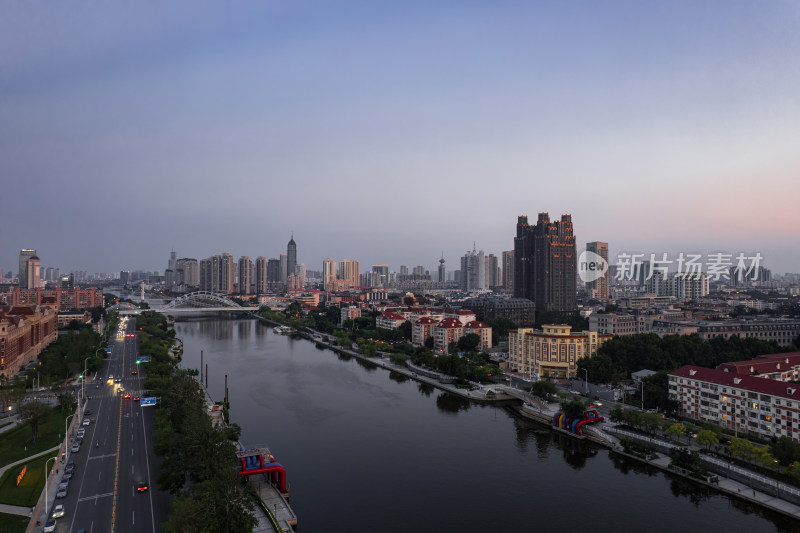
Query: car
x=62 y=493
x=134 y=372
x=63 y=485
x=136 y=398
x=76 y=447
x=50 y=526
x=88 y=412
x=127 y=396
x=81 y=432
x=117 y=380
x=142 y=486
x=86 y=422
x=79 y=439
x=67 y=475
x=58 y=511
x=70 y=467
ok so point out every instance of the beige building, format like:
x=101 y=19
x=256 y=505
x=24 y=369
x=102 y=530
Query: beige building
x=24 y=332
x=552 y=352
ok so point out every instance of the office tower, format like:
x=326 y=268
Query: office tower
x=382 y=275
x=284 y=259
x=545 y=265
x=245 y=274
x=273 y=272
x=67 y=282
x=22 y=276
x=328 y=273
x=261 y=275
x=33 y=273
x=291 y=257
x=172 y=264
x=473 y=271
x=508 y=270
x=442 y=277
x=187 y=272
x=349 y=271
x=599 y=287
x=419 y=270
x=491 y=272
x=403 y=270
x=300 y=271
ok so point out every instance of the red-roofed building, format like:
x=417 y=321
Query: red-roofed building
x=447 y=331
x=389 y=320
x=24 y=332
x=421 y=329
x=763 y=407
x=482 y=330
x=778 y=366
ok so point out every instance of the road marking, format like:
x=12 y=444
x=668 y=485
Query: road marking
x=102 y=456
x=133 y=518
x=116 y=469
x=87 y=498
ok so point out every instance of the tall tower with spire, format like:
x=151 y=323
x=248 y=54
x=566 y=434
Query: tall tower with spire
x=291 y=258
x=442 y=270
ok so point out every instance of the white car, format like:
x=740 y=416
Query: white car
x=58 y=512
x=50 y=526
x=85 y=421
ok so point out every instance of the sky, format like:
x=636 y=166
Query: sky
x=395 y=132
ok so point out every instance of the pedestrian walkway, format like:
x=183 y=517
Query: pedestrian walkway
x=15 y=509
x=21 y=461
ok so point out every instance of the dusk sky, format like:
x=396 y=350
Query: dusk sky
x=393 y=132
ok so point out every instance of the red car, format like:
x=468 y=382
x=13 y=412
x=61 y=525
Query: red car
x=136 y=398
x=127 y=396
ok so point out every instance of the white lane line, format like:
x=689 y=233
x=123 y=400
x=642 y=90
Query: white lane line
x=133 y=518
x=87 y=498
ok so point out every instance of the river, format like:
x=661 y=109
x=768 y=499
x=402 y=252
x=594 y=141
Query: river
x=368 y=450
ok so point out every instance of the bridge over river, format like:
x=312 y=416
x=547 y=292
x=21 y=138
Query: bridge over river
x=195 y=302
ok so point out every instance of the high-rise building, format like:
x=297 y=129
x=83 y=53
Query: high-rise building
x=349 y=271
x=328 y=273
x=442 y=277
x=273 y=273
x=34 y=275
x=245 y=274
x=508 y=270
x=599 y=287
x=491 y=268
x=24 y=255
x=473 y=271
x=545 y=265
x=403 y=270
x=284 y=259
x=187 y=272
x=382 y=275
x=172 y=264
x=418 y=270
x=291 y=257
x=227 y=269
x=261 y=275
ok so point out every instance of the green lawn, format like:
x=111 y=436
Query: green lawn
x=13 y=442
x=30 y=488
x=11 y=523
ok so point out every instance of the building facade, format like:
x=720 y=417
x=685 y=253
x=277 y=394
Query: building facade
x=553 y=351
x=25 y=331
x=261 y=275
x=291 y=258
x=22 y=275
x=599 y=287
x=545 y=265
x=761 y=407
x=60 y=299
x=473 y=271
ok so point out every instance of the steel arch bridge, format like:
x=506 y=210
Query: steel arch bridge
x=202 y=300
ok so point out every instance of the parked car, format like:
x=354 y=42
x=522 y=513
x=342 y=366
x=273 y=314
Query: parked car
x=81 y=432
x=50 y=526
x=76 y=447
x=67 y=475
x=70 y=467
x=85 y=421
x=62 y=493
x=58 y=511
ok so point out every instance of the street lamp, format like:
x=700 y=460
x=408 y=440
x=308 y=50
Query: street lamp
x=586 y=382
x=46 y=483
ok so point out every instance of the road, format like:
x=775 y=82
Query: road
x=117 y=451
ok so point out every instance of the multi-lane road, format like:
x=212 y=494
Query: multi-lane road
x=117 y=452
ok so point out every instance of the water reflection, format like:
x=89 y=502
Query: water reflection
x=451 y=403
x=368 y=365
x=397 y=376
x=625 y=465
x=426 y=389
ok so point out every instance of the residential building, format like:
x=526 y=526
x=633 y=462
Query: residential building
x=552 y=351
x=34 y=275
x=389 y=320
x=622 y=324
x=421 y=329
x=776 y=366
x=764 y=408
x=349 y=270
x=450 y=330
x=348 y=313
x=781 y=330
x=245 y=275
x=545 y=264
x=381 y=276
x=25 y=330
x=328 y=273
x=598 y=288
x=284 y=259
x=273 y=273
x=520 y=311
x=508 y=270
x=261 y=275
x=59 y=298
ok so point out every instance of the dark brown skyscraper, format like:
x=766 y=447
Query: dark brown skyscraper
x=545 y=264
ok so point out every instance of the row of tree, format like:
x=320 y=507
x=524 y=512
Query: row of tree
x=199 y=458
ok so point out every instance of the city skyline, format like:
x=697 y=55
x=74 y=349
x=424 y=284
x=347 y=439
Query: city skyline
x=365 y=130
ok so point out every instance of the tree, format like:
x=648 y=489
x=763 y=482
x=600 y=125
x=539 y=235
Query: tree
x=707 y=438
x=33 y=413
x=409 y=300
x=405 y=329
x=429 y=342
x=786 y=451
x=573 y=408
x=677 y=430
x=543 y=389
x=469 y=342
x=66 y=401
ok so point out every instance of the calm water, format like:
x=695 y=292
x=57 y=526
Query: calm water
x=367 y=450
